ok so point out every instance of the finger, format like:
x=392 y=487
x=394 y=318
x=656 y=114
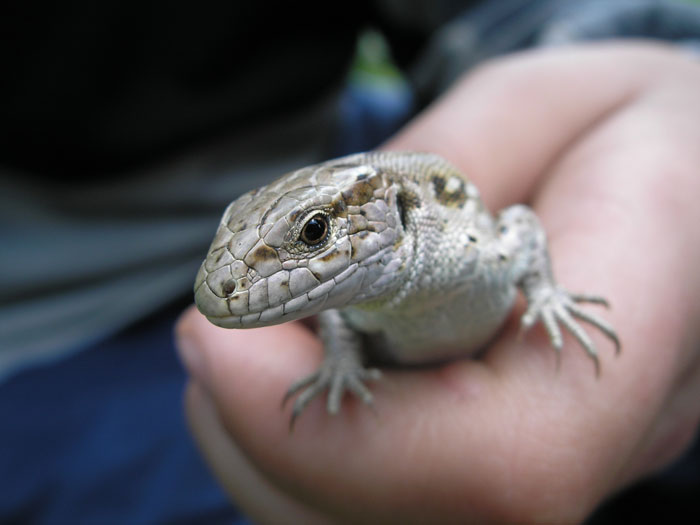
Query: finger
x=632 y=179
x=326 y=458
x=507 y=123
x=250 y=490
x=247 y=371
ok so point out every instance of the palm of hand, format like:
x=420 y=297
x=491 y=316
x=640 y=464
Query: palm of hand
x=611 y=172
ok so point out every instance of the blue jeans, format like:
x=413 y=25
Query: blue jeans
x=100 y=438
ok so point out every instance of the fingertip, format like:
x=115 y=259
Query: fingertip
x=189 y=334
x=245 y=371
x=190 y=322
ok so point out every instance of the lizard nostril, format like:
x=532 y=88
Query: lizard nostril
x=229 y=287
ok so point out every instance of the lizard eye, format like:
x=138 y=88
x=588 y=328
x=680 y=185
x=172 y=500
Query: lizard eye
x=315 y=230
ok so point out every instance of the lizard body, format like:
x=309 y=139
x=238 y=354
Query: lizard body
x=398 y=255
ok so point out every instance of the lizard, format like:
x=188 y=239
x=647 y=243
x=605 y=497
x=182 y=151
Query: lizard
x=400 y=259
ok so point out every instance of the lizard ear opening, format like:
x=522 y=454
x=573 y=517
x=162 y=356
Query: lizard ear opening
x=402 y=211
x=406 y=202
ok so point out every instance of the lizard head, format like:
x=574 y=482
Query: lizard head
x=321 y=237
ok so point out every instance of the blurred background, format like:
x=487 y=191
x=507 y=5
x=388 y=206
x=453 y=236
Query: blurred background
x=125 y=130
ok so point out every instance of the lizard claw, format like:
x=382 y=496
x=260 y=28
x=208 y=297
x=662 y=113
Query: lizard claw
x=558 y=306
x=335 y=376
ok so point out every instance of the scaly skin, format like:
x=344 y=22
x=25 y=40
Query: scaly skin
x=397 y=254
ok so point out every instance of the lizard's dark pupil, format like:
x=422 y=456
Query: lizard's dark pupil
x=314 y=230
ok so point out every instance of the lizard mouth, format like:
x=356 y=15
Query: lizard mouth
x=239 y=304
x=268 y=317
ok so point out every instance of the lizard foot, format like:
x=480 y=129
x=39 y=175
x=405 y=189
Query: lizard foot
x=556 y=305
x=337 y=375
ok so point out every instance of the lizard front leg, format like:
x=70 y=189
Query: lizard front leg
x=342 y=368
x=524 y=244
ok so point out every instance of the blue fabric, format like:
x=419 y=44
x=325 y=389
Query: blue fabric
x=101 y=438
x=369 y=113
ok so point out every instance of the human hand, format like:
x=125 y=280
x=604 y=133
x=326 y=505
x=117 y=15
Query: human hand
x=602 y=141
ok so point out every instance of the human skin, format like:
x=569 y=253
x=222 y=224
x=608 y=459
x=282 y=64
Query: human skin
x=602 y=140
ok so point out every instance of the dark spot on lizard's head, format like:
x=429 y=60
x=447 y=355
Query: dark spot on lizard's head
x=358 y=194
x=362 y=176
x=220 y=255
x=262 y=253
x=235 y=298
x=332 y=255
x=472 y=238
x=345 y=166
x=238 y=225
x=229 y=287
x=339 y=208
x=376 y=180
x=449 y=191
x=438 y=183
